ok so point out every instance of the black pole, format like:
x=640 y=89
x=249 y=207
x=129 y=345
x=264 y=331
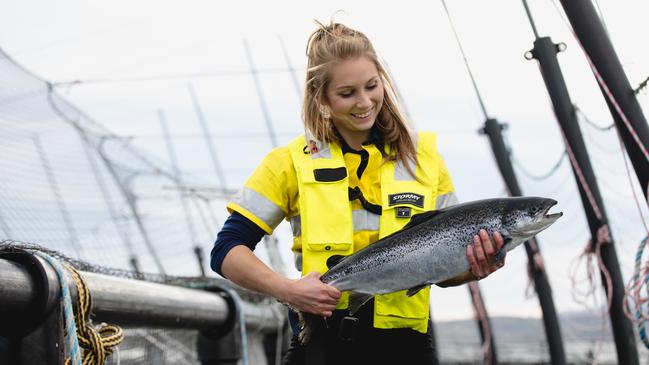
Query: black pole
x=484 y=324
x=546 y=53
x=534 y=262
x=598 y=47
x=479 y=307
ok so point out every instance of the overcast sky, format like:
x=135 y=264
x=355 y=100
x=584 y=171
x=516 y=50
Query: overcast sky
x=112 y=46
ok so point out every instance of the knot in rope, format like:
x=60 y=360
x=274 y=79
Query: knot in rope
x=98 y=343
x=592 y=252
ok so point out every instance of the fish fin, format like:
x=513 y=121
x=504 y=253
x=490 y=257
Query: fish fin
x=500 y=254
x=309 y=324
x=507 y=239
x=333 y=260
x=421 y=218
x=415 y=289
x=356 y=301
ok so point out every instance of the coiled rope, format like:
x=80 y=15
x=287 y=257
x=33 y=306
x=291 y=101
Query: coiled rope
x=71 y=339
x=633 y=295
x=98 y=343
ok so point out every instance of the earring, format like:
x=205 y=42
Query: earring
x=324 y=111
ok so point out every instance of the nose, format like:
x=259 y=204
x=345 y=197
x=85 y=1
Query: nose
x=363 y=101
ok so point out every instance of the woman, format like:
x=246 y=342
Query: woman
x=357 y=153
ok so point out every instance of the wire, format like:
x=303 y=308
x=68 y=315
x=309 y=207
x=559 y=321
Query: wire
x=641 y=86
x=544 y=176
x=591 y=123
x=183 y=76
x=466 y=62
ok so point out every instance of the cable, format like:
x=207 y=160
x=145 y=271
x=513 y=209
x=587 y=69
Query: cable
x=591 y=123
x=544 y=176
x=466 y=62
x=605 y=89
x=182 y=76
x=641 y=86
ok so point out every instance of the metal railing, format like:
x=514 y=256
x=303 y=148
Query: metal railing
x=30 y=290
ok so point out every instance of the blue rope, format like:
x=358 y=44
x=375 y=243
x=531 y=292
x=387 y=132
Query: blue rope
x=72 y=341
x=642 y=323
x=238 y=303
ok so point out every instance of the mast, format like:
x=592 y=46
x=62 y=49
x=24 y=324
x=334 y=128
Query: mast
x=545 y=52
x=619 y=95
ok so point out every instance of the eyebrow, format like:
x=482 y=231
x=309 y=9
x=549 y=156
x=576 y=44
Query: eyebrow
x=374 y=78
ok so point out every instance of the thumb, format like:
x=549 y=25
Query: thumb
x=314 y=275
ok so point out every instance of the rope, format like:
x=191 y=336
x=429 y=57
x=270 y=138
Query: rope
x=538 y=264
x=99 y=342
x=641 y=86
x=581 y=178
x=591 y=123
x=544 y=176
x=481 y=314
x=640 y=276
x=590 y=253
x=607 y=91
x=241 y=318
x=633 y=294
x=71 y=339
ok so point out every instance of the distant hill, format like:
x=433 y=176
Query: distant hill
x=522 y=340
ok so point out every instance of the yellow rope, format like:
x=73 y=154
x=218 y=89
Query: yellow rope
x=98 y=343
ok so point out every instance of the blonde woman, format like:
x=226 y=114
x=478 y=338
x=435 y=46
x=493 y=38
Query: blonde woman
x=357 y=174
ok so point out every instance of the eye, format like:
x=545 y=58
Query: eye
x=346 y=94
x=372 y=87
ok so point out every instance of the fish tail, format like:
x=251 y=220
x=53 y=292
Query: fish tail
x=309 y=324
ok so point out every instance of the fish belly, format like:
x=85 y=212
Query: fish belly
x=426 y=264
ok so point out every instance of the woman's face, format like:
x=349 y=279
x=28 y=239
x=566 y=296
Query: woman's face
x=355 y=97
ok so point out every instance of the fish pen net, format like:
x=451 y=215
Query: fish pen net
x=91 y=199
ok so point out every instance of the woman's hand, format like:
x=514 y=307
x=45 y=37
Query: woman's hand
x=482 y=254
x=309 y=294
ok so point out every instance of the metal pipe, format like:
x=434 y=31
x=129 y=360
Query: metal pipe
x=133 y=302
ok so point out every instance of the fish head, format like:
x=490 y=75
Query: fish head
x=524 y=217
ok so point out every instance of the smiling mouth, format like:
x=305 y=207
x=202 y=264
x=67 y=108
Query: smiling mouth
x=364 y=115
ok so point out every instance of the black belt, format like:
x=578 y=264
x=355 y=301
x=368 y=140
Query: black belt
x=356 y=193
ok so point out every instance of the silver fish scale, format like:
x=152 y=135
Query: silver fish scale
x=404 y=252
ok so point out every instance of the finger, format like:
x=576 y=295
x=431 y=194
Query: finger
x=333 y=292
x=473 y=262
x=499 y=240
x=326 y=313
x=487 y=244
x=328 y=299
x=480 y=255
x=328 y=306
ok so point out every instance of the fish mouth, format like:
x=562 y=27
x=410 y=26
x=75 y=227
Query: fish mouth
x=541 y=220
x=554 y=216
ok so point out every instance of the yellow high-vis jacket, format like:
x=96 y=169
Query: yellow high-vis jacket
x=308 y=183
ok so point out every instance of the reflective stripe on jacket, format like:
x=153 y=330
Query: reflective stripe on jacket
x=328 y=224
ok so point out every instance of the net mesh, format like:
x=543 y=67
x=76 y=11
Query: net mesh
x=88 y=197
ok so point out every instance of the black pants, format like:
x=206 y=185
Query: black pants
x=370 y=345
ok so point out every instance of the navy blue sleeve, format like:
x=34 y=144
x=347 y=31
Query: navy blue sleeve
x=237 y=230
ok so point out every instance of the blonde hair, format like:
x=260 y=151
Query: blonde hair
x=336 y=42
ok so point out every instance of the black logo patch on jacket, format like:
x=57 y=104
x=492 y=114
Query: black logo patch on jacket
x=406 y=198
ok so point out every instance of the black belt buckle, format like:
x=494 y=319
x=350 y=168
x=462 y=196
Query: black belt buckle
x=347 y=330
